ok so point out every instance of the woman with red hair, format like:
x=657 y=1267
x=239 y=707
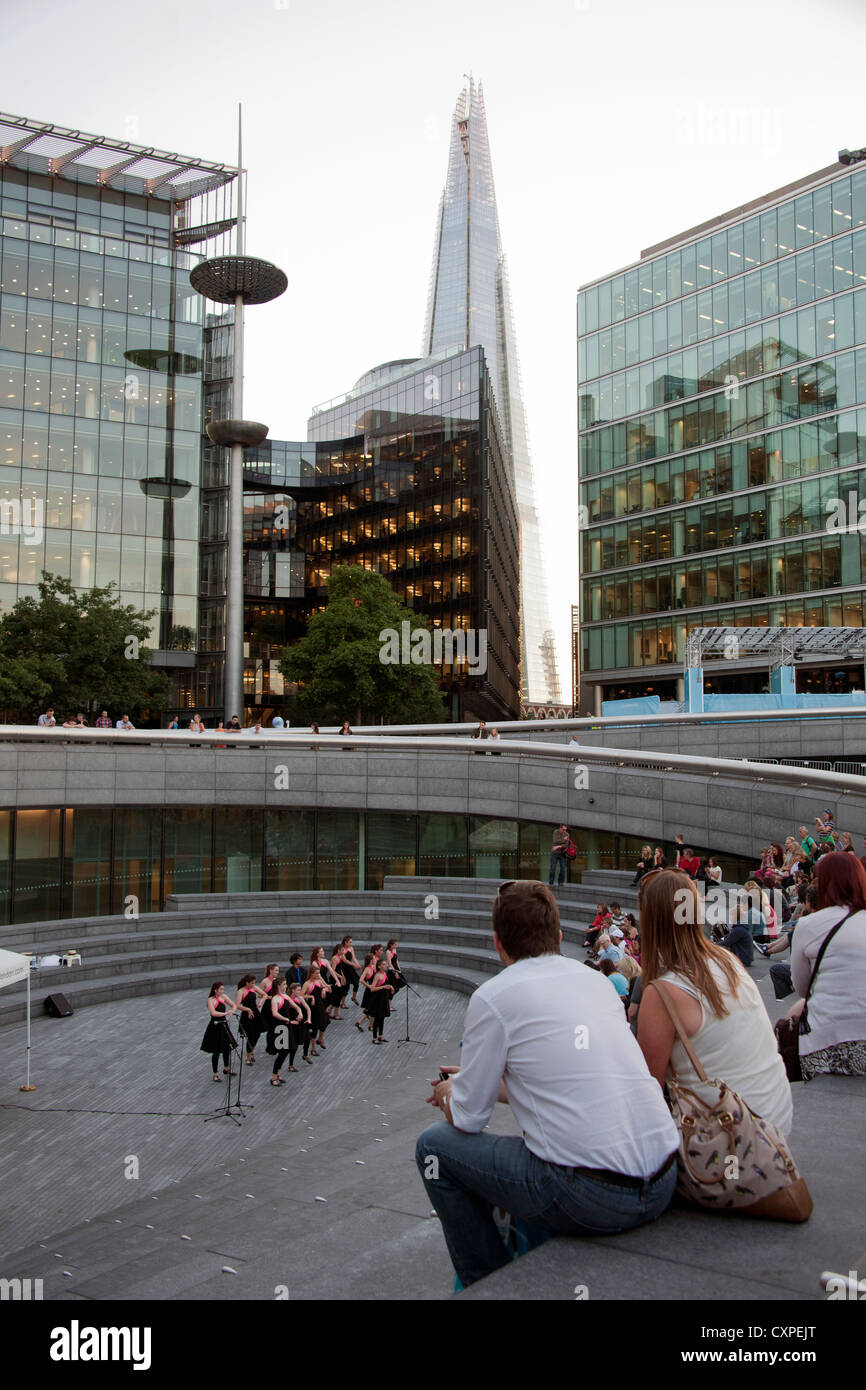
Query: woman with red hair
x=836 y=1015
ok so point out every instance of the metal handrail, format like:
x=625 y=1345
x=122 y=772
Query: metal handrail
x=616 y=758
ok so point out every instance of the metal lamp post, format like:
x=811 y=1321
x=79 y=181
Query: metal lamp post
x=237 y=280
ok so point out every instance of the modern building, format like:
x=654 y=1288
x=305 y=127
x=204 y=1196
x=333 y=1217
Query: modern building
x=406 y=475
x=722 y=432
x=110 y=366
x=469 y=303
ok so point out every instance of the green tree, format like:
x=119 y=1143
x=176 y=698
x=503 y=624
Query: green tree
x=338 y=664
x=73 y=650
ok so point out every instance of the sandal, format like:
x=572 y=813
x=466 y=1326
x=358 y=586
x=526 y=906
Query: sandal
x=359 y=1025
x=219 y=1079
x=277 y=1081
x=308 y=1061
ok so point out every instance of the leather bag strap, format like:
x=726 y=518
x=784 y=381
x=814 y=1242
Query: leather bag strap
x=681 y=1032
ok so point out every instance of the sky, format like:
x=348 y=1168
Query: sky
x=613 y=125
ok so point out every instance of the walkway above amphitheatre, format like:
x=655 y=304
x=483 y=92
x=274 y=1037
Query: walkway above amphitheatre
x=734 y=804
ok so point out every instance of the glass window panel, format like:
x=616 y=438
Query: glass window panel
x=188 y=833
x=390 y=846
x=769 y=244
x=37 y=866
x=337 y=843
x=787 y=271
x=289 y=850
x=492 y=847
x=237 y=850
x=87 y=864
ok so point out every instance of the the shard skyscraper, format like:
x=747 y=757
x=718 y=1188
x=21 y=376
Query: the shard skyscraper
x=470 y=303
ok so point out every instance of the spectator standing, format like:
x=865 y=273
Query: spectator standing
x=103 y=722
x=124 y=724
x=558 y=857
x=47 y=720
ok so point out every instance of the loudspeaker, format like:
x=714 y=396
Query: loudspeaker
x=58 y=1006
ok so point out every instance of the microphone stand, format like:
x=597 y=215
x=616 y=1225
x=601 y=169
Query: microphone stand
x=226 y=1110
x=416 y=1041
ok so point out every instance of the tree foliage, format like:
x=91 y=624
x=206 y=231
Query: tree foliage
x=338 y=665
x=72 y=650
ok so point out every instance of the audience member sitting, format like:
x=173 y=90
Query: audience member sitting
x=599 y=923
x=618 y=980
x=644 y=864
x=836 y=1041
x=688 y=862
x=739 y=938
x=618 y=920
x=659 y=860
x=720 y=1007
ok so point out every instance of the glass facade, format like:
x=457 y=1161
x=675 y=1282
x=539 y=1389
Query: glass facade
x=105 y=350
x=469 y=302
x=92 y=861
x=406 y=477
x=722 y=411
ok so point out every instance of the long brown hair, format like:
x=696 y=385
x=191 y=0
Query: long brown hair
x=670 y=943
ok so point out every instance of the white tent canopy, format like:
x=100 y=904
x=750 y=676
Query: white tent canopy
x=13 y=967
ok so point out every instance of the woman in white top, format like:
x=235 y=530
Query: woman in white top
x=720 y=1007
x=836 y=1041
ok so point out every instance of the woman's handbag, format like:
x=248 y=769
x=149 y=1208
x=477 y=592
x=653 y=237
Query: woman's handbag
x=730 y=1159
x=789 y=1030
x=571 y=850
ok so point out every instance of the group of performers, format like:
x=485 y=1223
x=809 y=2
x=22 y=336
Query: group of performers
x=292 y=1010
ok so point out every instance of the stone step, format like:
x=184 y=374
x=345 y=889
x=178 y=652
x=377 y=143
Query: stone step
x=83 y=990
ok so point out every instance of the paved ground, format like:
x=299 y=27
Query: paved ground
x=220 y=1211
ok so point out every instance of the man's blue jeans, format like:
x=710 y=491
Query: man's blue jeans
x=473 y=1173
x=557 y=855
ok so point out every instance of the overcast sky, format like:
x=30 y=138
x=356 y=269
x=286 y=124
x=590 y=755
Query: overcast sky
x=613 y=125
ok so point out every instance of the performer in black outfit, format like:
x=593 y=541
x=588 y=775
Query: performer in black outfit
x=218 y=1038
x=283 y=1012
x=251 y=1024
x=267 y=985
x=392 y=966
x=351 y=966
x=300 y=1027
x=380 y=1008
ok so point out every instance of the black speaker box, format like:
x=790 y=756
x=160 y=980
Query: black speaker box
x=58 y=1006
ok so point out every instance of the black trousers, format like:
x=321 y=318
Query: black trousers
x=279 y=1058
x=215 y=1059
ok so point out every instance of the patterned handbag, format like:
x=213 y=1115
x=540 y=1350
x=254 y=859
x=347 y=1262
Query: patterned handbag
x=730 y=1159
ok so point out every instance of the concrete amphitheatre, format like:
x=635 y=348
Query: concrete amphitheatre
x=114 y=1186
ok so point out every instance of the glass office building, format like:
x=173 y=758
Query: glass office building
x=469 y=302
x=722 y=413
x=110 y=364
x=405 y=475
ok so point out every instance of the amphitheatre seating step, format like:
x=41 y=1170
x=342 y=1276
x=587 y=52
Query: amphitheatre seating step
x=82 y=992
x=692 y=1253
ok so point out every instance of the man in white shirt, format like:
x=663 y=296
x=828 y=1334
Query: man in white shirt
x=124 y=723
x=550 y=1038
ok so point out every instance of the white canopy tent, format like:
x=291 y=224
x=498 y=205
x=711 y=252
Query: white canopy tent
x=15 y=967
